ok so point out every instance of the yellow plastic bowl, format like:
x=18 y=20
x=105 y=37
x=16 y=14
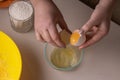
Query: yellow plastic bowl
x=10 y=59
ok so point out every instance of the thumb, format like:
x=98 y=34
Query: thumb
x=63 y=25
x=88 y=25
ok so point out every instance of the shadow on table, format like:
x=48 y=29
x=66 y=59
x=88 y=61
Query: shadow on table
x=31 y=67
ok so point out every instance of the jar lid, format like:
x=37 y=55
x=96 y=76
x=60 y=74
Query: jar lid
x=5 y=3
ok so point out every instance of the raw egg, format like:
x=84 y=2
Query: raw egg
x=77 y=38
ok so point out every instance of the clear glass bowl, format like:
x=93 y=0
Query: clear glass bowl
x=48 y=49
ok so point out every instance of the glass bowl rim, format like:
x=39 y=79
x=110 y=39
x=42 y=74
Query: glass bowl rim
x=63 y=69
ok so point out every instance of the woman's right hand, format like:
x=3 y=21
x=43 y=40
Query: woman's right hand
x=47 y=16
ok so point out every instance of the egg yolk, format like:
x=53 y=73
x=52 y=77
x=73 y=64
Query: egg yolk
x=74 y=38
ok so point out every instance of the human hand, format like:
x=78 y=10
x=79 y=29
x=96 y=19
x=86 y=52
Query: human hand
x=98 y=24
x=47 y=16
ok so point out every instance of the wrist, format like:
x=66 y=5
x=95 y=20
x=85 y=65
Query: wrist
x=106 y=3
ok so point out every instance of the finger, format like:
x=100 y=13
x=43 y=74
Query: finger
x=86 y=27
x=98 y=36
x=46 y=36
x=39 y=37
x=93 y=40
x=92 y=31
x=63 y=25
x=55 y=36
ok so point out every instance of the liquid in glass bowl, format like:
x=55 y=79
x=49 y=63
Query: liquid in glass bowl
x=63 y=58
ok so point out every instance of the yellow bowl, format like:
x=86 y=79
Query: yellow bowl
x=10 y=59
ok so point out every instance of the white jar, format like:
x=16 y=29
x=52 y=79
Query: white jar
x=21 y=16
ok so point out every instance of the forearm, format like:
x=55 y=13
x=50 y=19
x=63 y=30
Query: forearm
x=106 y=4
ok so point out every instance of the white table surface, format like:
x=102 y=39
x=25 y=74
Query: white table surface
x=101 y=61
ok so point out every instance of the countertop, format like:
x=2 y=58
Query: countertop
x=101 y=61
